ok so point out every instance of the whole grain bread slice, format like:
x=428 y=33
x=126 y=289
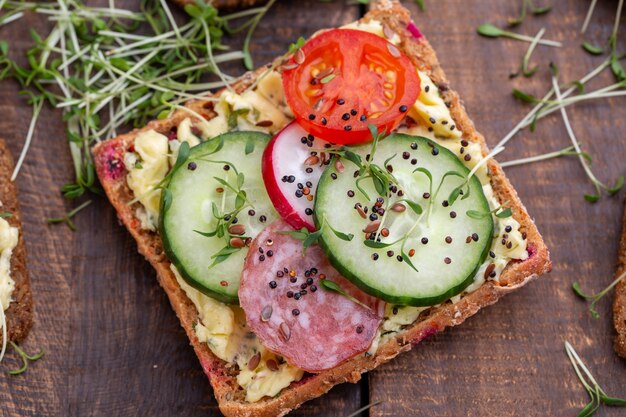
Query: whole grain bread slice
x=619 y=303
x=109 y=162
x=20 y=312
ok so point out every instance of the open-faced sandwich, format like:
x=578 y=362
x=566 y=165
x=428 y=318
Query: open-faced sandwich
x=16 y=305
x=319 y=217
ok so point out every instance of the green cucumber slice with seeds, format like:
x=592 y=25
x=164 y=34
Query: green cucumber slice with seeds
x=443 y=247
x=194 y=201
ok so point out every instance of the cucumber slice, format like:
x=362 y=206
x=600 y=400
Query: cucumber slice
x=437 y=245
x=192 y=192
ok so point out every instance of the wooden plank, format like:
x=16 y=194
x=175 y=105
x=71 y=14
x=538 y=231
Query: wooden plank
x=509 y=359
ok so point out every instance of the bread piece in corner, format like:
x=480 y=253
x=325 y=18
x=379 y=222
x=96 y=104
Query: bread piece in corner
x=19 y=314
x=109 y=159
x=619 y=303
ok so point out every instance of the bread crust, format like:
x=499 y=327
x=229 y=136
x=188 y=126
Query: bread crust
x=228 y=394
x=20 y=312
x=619 y=303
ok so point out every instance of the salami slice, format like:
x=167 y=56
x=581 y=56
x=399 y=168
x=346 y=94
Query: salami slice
x=292 y=315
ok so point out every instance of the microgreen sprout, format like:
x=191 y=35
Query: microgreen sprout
x=491 y=31
x=594 y=298
x=67 y=219
x=534 y=10
x=108 y=67
x=568 y=151
x=583 y=161
x=524 y=69
x=597 y=395
x=26 y=359
x=364 y=408
x=332 y=286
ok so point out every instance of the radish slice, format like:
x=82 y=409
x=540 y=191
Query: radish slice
x=292 y=165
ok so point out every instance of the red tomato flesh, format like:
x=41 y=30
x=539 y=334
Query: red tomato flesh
x=342 y=80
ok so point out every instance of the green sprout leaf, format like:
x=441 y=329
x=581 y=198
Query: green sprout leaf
x=592 y=49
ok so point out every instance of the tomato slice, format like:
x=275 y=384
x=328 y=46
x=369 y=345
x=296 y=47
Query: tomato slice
x=342 y=80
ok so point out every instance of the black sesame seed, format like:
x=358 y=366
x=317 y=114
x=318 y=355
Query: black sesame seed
x=324 y=121
x=308 y=211
x=350 y=193
x=464 y=143
x=348 y=128
x=313 y=271
x=226 y=167
x=262 y=258
x=309 y=281
x=313 y=288
x=303 y=286
x=509 y=245
x=445 y=203
x=261 y=250
x=262 y=219
x=270 y=253
x=311 y=117
x=296 y=296
x=508 y=229
x=333 y=176
x=373 y=216
x=390 y=253
x=493 y=274
x=235 y=220
x=300 y=186
x=435 y=151
x=251 y=212
x=432 y=120
x=394 y=311
x=359 y=329
x=227 y=217
x=295 y=312
x=424 y=240
x=413 y=161
x=303 y=139
x=345 y=116
x=289 y=294
x=452 y=214
x=291 y=179
x=273 y=284
x=303 y=292
x=341 y=102
x=448 y=239
x=285 y=270
x=430 y=129
x=461 y=150
x=363 y=118
x=444 y=122
x=280 y=274
x=309 y=184
x=353 y=112
x=299 y=193
x=467 y=157
x=192 y=166
x=311 y=138
x=403 y=108
x=406 y=155
x=374 y=256
x=492 y=254
x=413 y=145
x=293 y=280
x=475 y=237
x=399 y=258
x=426 y=195
x=309 y=170
x=447 y=260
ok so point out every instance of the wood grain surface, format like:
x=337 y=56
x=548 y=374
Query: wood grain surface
x=115 y=348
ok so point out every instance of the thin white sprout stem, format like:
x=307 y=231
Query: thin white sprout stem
x=588 y=17
x=526 y=38
x=29 y=137
x=537 y=158
x=11 y=18
x=483 y=161
x=572 y=136
x=210 y=54
x=618 y=15
x=532 y=47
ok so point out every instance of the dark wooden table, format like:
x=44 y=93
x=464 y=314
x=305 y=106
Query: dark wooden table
x=114 y=346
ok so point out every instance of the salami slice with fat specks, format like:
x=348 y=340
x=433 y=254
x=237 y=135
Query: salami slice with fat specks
x=292 y=314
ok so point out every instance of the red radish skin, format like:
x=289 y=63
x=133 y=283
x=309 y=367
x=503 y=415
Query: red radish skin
x=286 y=155
x=412 y=27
